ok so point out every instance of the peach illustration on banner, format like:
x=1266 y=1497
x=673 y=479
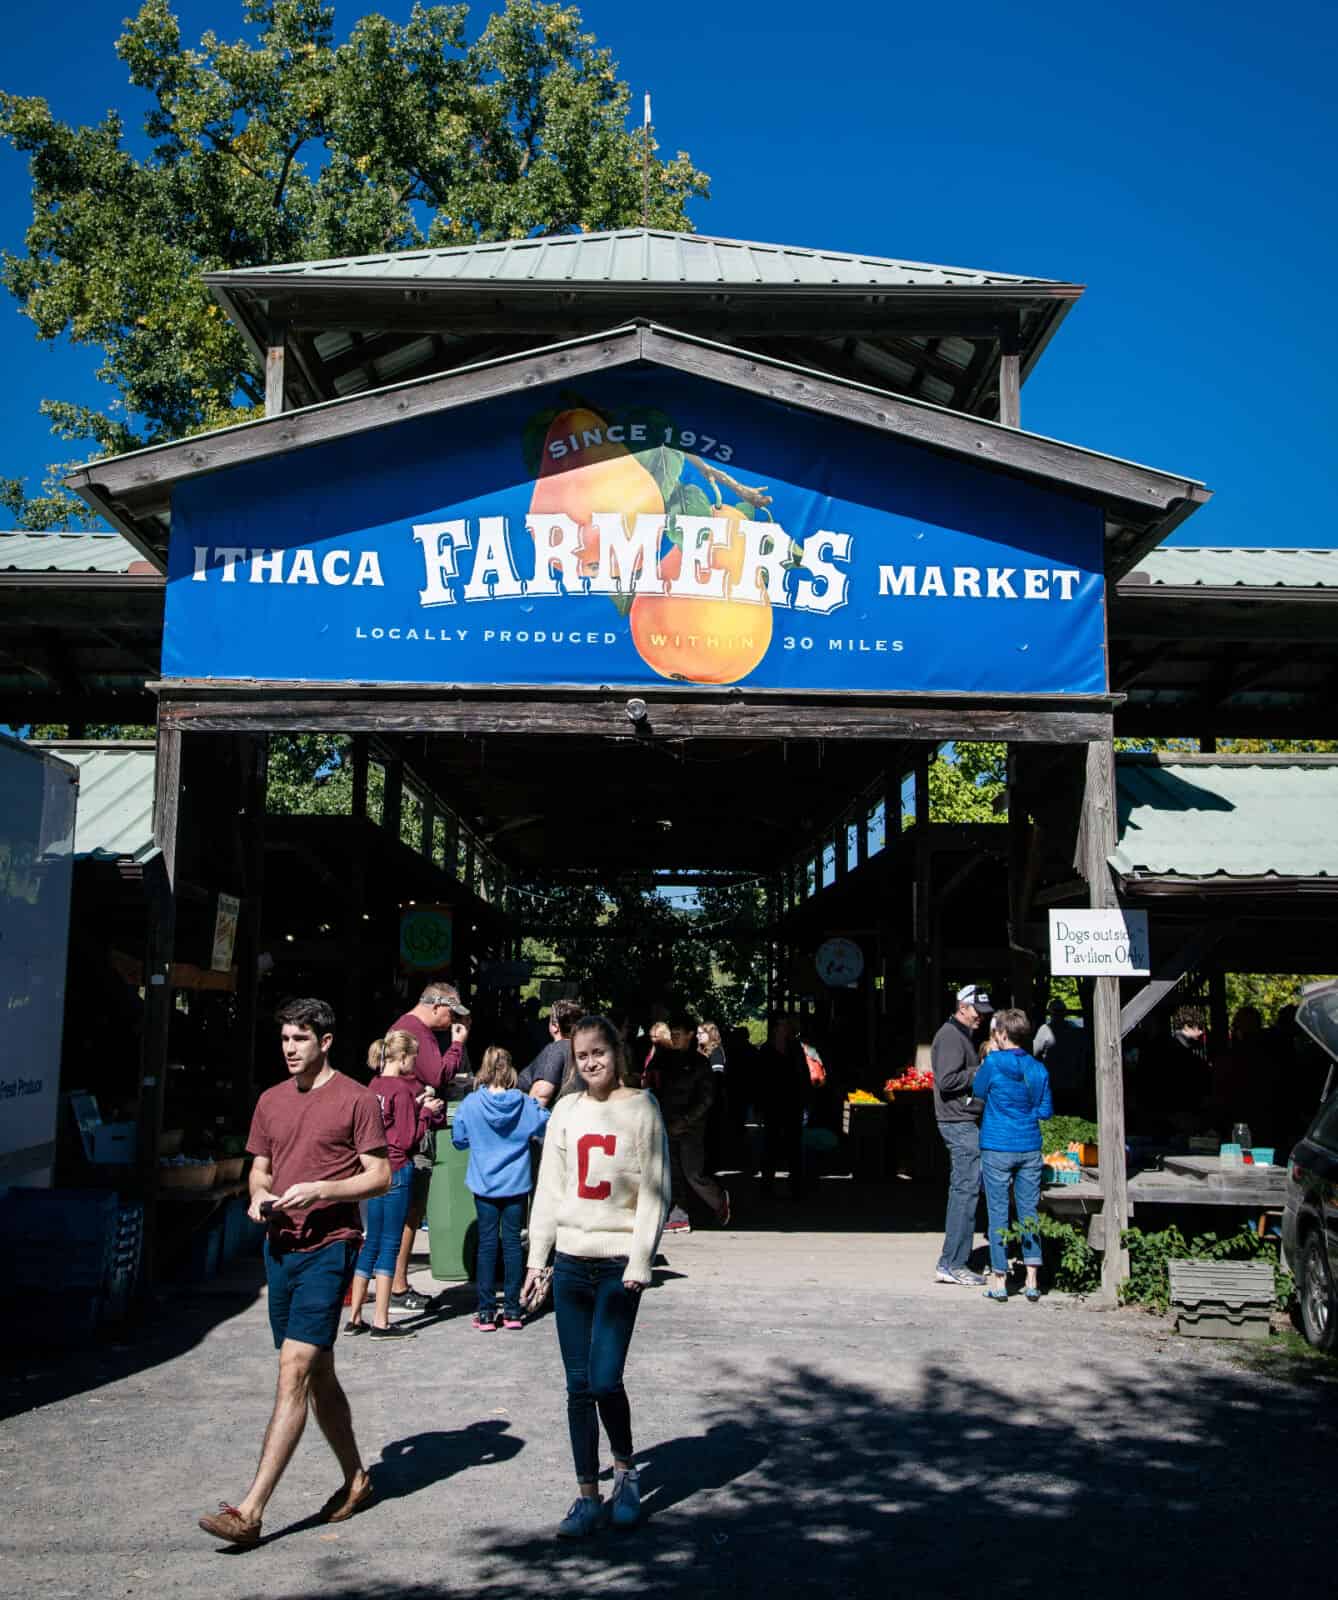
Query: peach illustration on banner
x=696 y=640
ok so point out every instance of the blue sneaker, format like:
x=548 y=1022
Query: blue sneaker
x=626 y=1498
x=585 y=1517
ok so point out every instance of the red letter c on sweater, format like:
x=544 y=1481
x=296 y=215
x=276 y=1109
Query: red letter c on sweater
x=608 y=1143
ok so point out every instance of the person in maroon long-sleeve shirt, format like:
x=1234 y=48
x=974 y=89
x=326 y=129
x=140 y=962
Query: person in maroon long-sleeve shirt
x=439 y=1011
x=406 y=1116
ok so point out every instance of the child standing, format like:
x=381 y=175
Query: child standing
x=406 y=1116
x=495 y=1124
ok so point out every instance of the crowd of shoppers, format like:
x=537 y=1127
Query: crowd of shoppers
x=617 y=1164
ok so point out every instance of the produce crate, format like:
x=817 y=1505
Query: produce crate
x=58 y=1216
x=204 y=1255
x=1060 y=1175
x=241 y=1236
x=860 y=1119
x=200 y=1176
x=1222 y=1299
x=229 y=1169
x=83 y=1265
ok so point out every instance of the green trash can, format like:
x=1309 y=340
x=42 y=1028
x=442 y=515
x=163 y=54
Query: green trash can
x=452 y=1227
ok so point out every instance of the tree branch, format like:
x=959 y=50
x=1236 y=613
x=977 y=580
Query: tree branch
x=288 y=160
x=757 y=496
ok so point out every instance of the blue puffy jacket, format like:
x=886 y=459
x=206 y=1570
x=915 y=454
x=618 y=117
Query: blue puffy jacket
x=1016 y=1090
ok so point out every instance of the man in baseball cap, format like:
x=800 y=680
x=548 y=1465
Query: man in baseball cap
x=440 y=1023
x=955 y=1061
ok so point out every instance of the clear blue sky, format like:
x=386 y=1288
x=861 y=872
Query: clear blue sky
x=1175 y=157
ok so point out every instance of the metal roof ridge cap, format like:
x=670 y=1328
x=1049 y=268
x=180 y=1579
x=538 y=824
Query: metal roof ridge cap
x=1048 y=290
x=80 y=474
x=1226 y=758
x=919 y=404
x=111 y=746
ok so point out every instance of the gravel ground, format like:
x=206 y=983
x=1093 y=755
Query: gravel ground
x=812 y=1414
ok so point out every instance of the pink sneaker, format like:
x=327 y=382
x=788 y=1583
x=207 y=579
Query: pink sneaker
x=484 y=1324
x=513 y=1324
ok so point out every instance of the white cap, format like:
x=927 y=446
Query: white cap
x=979 y=998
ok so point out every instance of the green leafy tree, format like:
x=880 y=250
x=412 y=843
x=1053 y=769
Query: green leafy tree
x=968 y=783
x=288 y=145
x=1267 y=992
x=628 y=946
x=309 y=774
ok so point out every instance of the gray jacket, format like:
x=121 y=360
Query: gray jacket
x=955 y=1061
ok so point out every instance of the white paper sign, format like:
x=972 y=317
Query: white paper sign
x=225 y=932
x=1099 y=944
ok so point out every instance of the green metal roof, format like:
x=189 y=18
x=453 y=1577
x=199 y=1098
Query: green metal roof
x=66 y=552
x=639 y=255
x=1205 y=817
x=1261 y=567
x=114 y=819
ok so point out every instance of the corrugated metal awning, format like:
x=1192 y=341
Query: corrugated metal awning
x=1244 y=567
x=66 y=552
x=1206 y=817
x=114 y=820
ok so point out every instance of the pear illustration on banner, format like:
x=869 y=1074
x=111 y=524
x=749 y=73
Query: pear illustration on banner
x=598 y=477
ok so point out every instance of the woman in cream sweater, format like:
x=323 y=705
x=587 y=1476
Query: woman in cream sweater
x=601 y=1202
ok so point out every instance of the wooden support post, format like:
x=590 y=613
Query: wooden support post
x=253 y=759
x=841 y=839
x=393 y=802
x=1021 y=967
x=921 y=932
x=1097 y=838
x=1208 y=745
x=1219 y=1013
x=862 y=833
x=274 y=365
x=159 y=950
x=469 y=863
x=429 y=827
x=1010 y=381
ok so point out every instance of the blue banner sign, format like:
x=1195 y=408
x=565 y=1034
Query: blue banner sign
x=650 y=528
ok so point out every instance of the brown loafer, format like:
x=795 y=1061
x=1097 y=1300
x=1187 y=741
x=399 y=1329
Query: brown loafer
x=347 y=1501
x=231 y=1526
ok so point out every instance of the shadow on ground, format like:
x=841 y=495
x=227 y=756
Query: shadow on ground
x=38 y=1373
x=1190 y=1477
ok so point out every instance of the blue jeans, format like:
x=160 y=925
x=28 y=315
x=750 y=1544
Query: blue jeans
x=959 y=1229
x=500 y=1219
x=1021 y=1169
x=385 y=1227
x=595 y=1318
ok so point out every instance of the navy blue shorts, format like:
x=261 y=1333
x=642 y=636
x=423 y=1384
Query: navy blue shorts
x=307 y=1289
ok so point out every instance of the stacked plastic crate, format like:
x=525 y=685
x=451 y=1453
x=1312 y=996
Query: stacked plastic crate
x=126 y=1251
x=65 y=1250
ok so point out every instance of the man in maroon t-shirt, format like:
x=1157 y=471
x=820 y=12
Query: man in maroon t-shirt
x=439 y=1009
x=319 y=1146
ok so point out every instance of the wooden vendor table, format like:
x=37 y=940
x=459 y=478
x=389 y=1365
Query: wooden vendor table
x=1184 y=1181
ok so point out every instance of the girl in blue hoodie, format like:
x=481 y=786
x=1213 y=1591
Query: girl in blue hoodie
x=495 y=1124
x=1016 y=1090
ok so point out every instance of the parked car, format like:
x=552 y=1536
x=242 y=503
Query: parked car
x=1310 y=1221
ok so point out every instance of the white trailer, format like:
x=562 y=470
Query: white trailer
x=38 y=795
